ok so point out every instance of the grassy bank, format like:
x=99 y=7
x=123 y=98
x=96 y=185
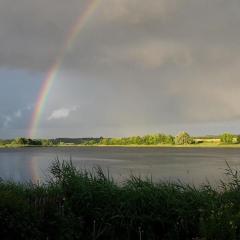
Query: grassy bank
x=82 y=205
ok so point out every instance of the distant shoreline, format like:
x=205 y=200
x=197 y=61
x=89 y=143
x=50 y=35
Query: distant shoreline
x=129 y=146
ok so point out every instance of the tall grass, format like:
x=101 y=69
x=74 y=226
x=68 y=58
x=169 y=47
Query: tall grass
x=77 y=204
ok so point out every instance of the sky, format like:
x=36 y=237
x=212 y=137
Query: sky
x=136 y=67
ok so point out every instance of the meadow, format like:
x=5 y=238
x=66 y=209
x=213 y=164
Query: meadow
x=78 y=204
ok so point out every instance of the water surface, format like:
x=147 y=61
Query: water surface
x=191 y=165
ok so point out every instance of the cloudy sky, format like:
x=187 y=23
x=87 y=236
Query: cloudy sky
x=136 y=67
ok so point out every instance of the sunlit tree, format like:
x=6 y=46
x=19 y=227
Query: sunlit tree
x=20 y=141
x=183 y=138
x=227 y=138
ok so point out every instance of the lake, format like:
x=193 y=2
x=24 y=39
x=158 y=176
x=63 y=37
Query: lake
x=191 y=165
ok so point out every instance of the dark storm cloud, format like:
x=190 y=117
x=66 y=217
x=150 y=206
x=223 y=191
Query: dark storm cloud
x=136 y=66
x=32 y=33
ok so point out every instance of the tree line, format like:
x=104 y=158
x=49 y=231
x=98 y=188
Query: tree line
x=183 y=138
x=27 y=142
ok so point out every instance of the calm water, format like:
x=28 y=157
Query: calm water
x=186 y=164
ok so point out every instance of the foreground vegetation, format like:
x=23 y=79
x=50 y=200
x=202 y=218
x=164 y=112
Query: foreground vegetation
x=82 y=205
x=182 y=139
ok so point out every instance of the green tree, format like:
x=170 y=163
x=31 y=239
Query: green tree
x=105 y=141
x=183 y=138
x=138 y=140
x=20 y=141
x=46 y=142
x=227 y=138
x=91 y=142
x=169 y=139
x=238 y=139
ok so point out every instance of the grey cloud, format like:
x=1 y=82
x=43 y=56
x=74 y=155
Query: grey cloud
x=6 y=121
x=16 y=118
x=156 y=54
x=136 y=12
x=135 y=65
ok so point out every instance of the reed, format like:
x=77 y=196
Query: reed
x=80 y=204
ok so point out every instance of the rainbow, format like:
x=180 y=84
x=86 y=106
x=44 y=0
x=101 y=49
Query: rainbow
x=54 y=69
x=34 y=170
